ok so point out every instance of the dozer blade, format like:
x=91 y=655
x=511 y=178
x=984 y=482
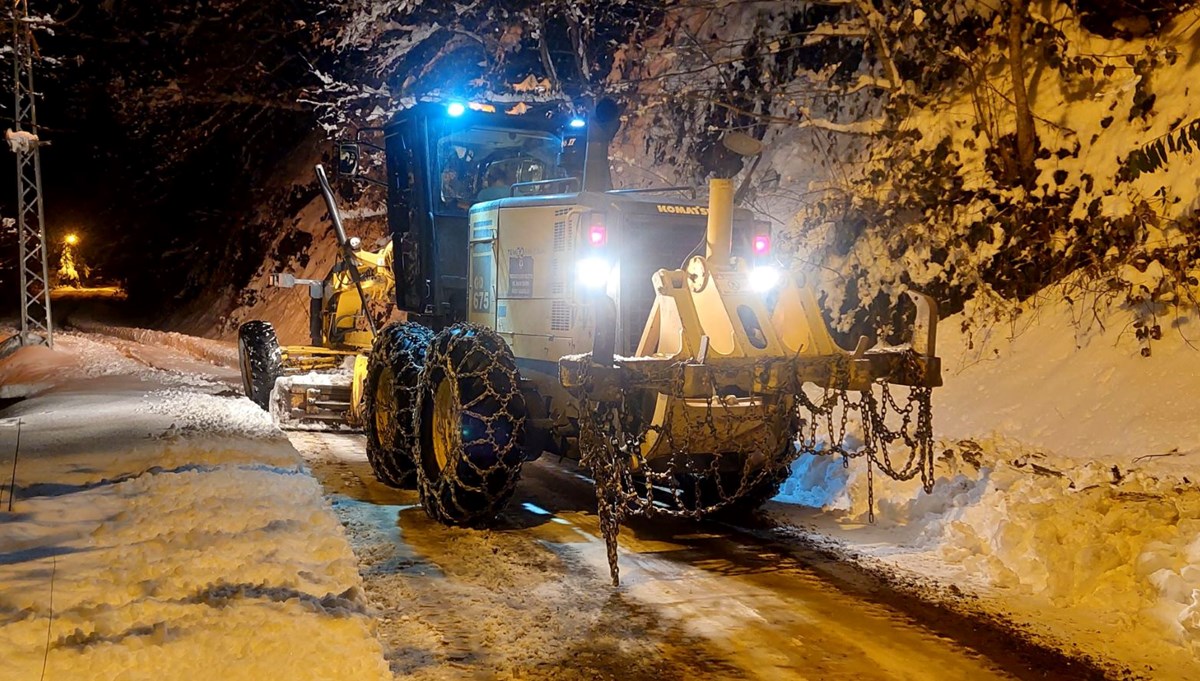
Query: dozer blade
x=312 y=401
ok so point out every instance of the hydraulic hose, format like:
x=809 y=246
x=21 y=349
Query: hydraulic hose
x=344 y=244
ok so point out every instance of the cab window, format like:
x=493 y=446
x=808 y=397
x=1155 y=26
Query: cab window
x=481 y=164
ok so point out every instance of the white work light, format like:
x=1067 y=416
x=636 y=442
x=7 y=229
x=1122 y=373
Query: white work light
x=593 y=273
x=764 y=278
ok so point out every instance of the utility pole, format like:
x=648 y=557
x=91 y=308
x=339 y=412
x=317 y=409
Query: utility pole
x=36 y=325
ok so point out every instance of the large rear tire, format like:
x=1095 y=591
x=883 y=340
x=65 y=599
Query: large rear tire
x=390 y=401
x=470 y=425
x=732 y=494
x=728 y=484
x=260 y=359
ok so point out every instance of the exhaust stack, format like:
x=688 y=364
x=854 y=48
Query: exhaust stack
x=718 y=239
x=601 y=129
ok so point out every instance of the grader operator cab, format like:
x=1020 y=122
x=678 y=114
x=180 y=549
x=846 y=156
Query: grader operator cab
x=646 y=334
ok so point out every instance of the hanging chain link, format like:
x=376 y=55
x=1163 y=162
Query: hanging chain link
x=877 y=410
x=652 y=455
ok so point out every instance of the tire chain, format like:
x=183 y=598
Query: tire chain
x=482 y=472
x=880 y=438
x=611 y=439
x=401 y=346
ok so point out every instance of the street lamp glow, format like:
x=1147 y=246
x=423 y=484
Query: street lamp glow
x=71 y=239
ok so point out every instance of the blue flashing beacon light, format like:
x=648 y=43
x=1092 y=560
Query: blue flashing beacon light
x=577 y=123
x=456 y=109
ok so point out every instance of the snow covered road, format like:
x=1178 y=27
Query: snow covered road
x=531 y=600
x=163 y=529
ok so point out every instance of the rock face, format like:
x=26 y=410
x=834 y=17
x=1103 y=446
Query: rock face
x=296 y=237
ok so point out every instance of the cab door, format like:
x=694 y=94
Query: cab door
x=481 y=294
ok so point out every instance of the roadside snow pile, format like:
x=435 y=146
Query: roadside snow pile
x=1072 y=379
x=161 y=534
x=1065 y=493
x=218 y=352
x=195 y=363
x=196 y=412
x=32 y=369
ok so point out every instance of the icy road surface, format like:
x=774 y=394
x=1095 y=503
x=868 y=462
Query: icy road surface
x=531 y=600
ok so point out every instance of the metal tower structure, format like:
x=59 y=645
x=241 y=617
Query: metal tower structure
x=36 y=325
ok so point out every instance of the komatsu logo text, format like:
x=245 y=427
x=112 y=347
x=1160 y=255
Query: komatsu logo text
x=682 y=210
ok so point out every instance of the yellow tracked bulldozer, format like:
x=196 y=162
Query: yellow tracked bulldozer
x=648 y=334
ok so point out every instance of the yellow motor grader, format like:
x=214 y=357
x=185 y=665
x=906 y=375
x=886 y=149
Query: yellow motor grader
x=341 y=330
x=645 y=333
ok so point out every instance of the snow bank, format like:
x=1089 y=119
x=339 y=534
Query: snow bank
x=1065 y=495
x=217 y=352
x=1107 y=567
x=32 y=369
x=167 y=533
x=1070 y=378
x=168 y=359
x=210 y=415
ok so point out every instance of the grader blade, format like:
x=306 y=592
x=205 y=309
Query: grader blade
x=317 y=390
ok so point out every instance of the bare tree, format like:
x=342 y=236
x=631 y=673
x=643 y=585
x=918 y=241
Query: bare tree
x=1026 y=137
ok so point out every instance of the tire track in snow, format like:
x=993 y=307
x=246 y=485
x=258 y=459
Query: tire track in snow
x=455 y=603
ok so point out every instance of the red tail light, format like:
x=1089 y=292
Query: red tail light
x=597 y=235
x=762 y=244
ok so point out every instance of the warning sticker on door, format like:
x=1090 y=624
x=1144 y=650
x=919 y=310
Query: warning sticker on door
x=520 y=274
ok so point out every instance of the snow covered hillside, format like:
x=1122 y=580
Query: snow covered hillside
x=1066 y=495
x=1068 y=442
x=1110 y=192
x=162 y=528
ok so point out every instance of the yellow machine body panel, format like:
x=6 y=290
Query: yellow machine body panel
x=343 y=318
x=316 y=386
x=522 y=278
x=358 y=381
x=708 y=316
x=713 y=352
